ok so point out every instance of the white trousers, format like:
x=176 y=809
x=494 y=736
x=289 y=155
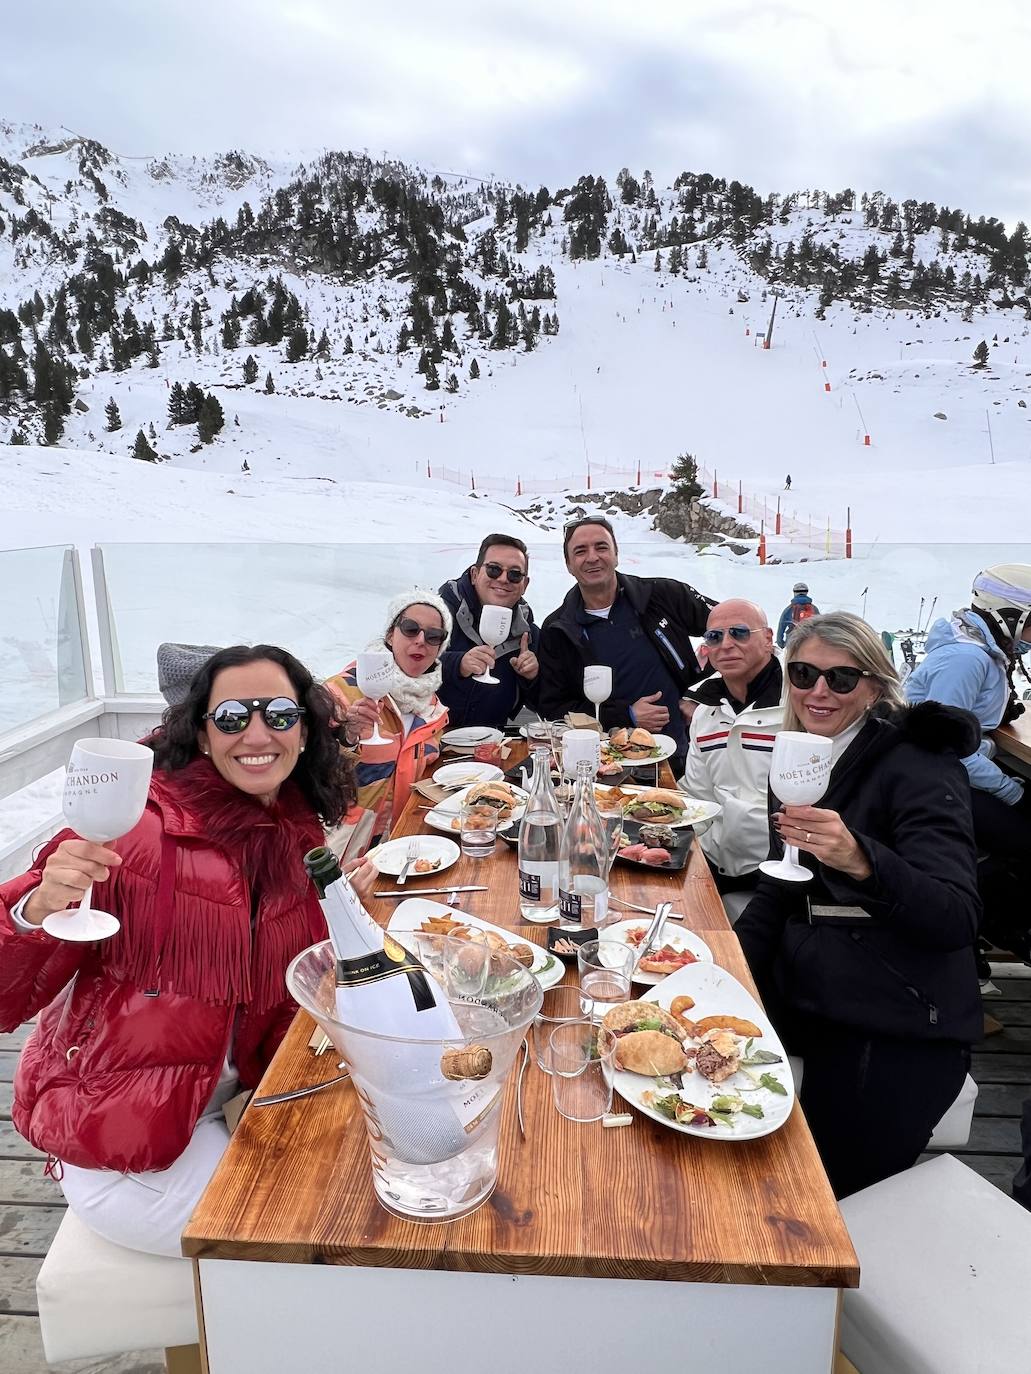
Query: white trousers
x=148 y=1211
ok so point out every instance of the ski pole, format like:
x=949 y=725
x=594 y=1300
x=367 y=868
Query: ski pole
x=920 y=614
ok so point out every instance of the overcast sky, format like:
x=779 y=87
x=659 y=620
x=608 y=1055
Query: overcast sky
x=931 y=100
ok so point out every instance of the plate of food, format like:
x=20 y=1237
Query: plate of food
x=432 y=855
x=678 y=949
x=698 y=1054
x=466 y=774
x=471 y=737
x=420 y=915
x=629 y=748
x=658 y=805
x=509 y=801
x=654 y=846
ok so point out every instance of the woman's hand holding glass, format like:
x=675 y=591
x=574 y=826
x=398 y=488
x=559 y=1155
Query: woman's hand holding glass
x=825 y=835
x=361 y=719
x=67 y=876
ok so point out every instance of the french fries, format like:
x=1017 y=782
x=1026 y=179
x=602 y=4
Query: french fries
x=737 y=1025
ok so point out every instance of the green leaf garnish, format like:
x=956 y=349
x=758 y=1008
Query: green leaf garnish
x=774 y=1085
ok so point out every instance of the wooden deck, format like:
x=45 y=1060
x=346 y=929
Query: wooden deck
x=31 y=1205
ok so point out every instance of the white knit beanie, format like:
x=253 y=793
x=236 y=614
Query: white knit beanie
x=418 y=596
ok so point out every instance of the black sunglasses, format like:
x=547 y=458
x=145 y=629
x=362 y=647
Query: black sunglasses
x=840 y=680
x=738 y=632
x=513 y=575
x=233 y=717
x=411 y=629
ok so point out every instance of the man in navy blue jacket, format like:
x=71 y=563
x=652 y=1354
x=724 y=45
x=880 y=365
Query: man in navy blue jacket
x=499 y=577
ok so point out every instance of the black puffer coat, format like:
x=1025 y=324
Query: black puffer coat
x=893 y=954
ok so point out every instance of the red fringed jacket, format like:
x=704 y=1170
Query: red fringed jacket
x=214 y=904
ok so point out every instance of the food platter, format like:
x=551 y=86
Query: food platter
x=445 y=815
x=679 y=849
x=665 y=748
x=717 y=992
x=692 y=811
x=680 y=940
x=410 y=914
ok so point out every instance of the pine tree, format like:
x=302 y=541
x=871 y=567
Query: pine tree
x=348 y=345
x=474 y=369
x=503 y=326
x=658 y=261
x=192 y=404
x=322 y=350
x=176 y=404
x=270 y=385
x=152 y=433
x=142 y=450
x=297 y=344
x=452 y=382
x=250 y=370
x=153 y=354
x=210 y=420
x=703 y=258
x=981 y=354
x=114 y=420
x=404 y=338
x=17 y=438
x=447 y=338
x=53 y=423
x=432 y=379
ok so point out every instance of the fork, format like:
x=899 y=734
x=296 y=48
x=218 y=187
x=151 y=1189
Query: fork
x=410 y=858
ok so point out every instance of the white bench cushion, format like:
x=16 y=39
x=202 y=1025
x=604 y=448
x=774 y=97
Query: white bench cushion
x=945 y=1273
x=96 y=1298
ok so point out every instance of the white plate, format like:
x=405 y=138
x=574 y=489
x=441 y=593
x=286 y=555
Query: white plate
x=715 y=990
x=694 y=812
x=446 y=812
x=665 y=748
x=410 y=914
x=465 y=774
x=678 y=939
x=389 y=858
x=471 y=736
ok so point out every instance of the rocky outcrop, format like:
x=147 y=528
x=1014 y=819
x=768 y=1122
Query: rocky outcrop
x=691 y=519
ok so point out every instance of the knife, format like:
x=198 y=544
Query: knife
x=648 y=910
x=433 y=892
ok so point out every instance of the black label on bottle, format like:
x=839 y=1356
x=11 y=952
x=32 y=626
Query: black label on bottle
x=570 y=907
x=530 y=886
x=387 y=962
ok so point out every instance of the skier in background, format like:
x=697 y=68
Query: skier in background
x=800 y=607
x=787 y=482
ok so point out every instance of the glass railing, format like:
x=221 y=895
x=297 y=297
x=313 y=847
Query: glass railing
x=44 y=663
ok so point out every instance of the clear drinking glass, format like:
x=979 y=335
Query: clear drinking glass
x=606 y=969
x=561 y=1004
x=800 y=769
x=372 y=674
x=582 y=1069
x=105 y=794
x=479 y=823
x=495 y=623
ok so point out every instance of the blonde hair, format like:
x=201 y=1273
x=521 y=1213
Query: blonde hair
x=854 y=637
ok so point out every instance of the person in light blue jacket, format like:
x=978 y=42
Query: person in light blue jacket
x=969 y=663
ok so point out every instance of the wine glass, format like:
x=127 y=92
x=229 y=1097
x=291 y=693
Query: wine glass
x=372 y=674
x=105 y=793
x=800 y=769
x=597 y=686
x=495 y=623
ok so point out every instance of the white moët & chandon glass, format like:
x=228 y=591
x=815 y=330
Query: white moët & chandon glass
x=800 y=770
x=597 y=685
x=495 y=623
x=372 y=674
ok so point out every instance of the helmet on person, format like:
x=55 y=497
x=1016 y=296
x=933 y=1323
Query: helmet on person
x=1003 y=595
x=800 y=587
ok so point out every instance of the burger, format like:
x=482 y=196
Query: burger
x=496 y=794
x=648 y=1039
x=633 y=744
x=655 y=806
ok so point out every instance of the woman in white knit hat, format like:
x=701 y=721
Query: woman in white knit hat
x=417 y=627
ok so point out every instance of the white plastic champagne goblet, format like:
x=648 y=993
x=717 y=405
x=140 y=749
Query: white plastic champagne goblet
x=105 y=793
x=372 y=674
x=495 y=623
x=597 y=686
x=800 y=769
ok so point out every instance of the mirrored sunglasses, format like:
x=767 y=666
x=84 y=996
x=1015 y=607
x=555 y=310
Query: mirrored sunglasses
x=840 y=680
x=738 y=632
x=411 y=629
x=233 y=717
x=495 y=571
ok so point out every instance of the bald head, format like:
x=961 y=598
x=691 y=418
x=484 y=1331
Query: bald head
x=745 y=647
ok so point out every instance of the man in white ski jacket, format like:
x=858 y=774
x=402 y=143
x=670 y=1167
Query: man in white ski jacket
x=732 y=734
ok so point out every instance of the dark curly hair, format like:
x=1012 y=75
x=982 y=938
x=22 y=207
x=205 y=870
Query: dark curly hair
x=324 y=775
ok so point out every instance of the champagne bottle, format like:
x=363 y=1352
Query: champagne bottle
x=583 y=869
x=540 y=845
x=383 y=989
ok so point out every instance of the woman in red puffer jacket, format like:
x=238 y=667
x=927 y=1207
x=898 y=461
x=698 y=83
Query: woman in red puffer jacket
x=146 y=1035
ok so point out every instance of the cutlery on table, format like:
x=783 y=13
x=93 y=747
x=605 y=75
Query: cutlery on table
x=654 y=931
x=436 y=892
x=297 y=1092
x=410 y=858
x=636 y=906
x=519 y=1089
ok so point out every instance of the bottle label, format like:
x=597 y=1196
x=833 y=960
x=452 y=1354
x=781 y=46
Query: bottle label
x=387 y=962
x=530 y=886
x=570 y=907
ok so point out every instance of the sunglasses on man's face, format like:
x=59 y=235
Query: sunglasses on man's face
x=233 y=717
x=495 y=571
x=411 y=629
x=841 y=681
x=736 y=632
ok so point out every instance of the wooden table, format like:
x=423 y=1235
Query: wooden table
x=1014 y=743
x=593 y=1243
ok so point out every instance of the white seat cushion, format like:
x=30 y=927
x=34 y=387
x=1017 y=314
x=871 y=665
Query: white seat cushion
x=96 y=1298
x=945 y=1272
x=734 y=904
x=953 y=1130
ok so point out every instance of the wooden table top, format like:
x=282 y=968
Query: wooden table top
x=639 y=1202
x=1015 y=738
